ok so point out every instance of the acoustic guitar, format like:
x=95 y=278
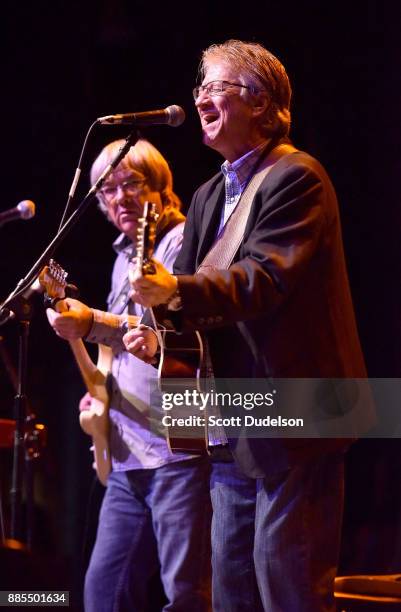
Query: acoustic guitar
x=181 y=355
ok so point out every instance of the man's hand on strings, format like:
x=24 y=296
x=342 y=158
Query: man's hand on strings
x=142 y=343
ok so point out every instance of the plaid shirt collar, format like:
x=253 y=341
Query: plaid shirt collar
x=242 y=167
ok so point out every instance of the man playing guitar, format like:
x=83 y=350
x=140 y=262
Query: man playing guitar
x=156 y=507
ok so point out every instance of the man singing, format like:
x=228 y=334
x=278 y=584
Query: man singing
x=281 y=309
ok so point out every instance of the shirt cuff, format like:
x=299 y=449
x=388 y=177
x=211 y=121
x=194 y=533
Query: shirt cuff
x=174 y=302
x=106 y=324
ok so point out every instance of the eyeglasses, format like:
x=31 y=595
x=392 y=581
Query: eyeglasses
x=131 y=187
x=216 y=88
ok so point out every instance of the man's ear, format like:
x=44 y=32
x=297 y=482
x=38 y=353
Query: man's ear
x=260 y=103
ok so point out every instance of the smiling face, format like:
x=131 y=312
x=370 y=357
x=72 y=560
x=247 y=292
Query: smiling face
x=230 y=120
x=124 y=195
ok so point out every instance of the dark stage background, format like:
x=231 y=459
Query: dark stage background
x=66 y=63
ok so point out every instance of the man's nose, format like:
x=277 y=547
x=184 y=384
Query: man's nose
x=203 y=97
x=121 y=193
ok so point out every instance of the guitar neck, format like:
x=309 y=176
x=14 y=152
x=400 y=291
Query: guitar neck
x=93 y=378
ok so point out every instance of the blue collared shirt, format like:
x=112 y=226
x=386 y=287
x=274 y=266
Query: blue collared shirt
x=136 y=439
x=237 y=176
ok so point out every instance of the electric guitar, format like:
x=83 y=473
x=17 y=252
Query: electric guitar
x=181 y=355
x=95 y=421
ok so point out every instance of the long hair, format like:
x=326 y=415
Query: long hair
x=143 y=157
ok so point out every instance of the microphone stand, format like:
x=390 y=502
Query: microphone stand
x=20 y=409
x=18 y=306
x=34 y=441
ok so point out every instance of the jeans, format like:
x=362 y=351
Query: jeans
x=151 y=517
x=275 y=541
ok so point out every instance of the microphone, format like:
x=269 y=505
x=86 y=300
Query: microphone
x=172 y=115
x=23 y=210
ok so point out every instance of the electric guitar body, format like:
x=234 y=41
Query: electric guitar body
x=95 y=420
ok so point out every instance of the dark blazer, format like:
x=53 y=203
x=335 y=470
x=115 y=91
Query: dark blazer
x=283 y=309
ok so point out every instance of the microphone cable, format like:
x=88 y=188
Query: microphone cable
x=77 y=175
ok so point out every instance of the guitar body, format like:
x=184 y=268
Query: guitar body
x=181 y=359
x=95 y=420
x=181 y=355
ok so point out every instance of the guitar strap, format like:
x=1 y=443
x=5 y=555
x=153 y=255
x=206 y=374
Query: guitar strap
x=223 y=251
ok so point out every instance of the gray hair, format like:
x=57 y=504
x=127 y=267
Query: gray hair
x=263 y=71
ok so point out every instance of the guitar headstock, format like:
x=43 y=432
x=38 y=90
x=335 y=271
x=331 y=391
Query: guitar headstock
x=146 y=237
x=53 y=280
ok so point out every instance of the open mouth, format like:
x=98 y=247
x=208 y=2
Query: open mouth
x=209 y=118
